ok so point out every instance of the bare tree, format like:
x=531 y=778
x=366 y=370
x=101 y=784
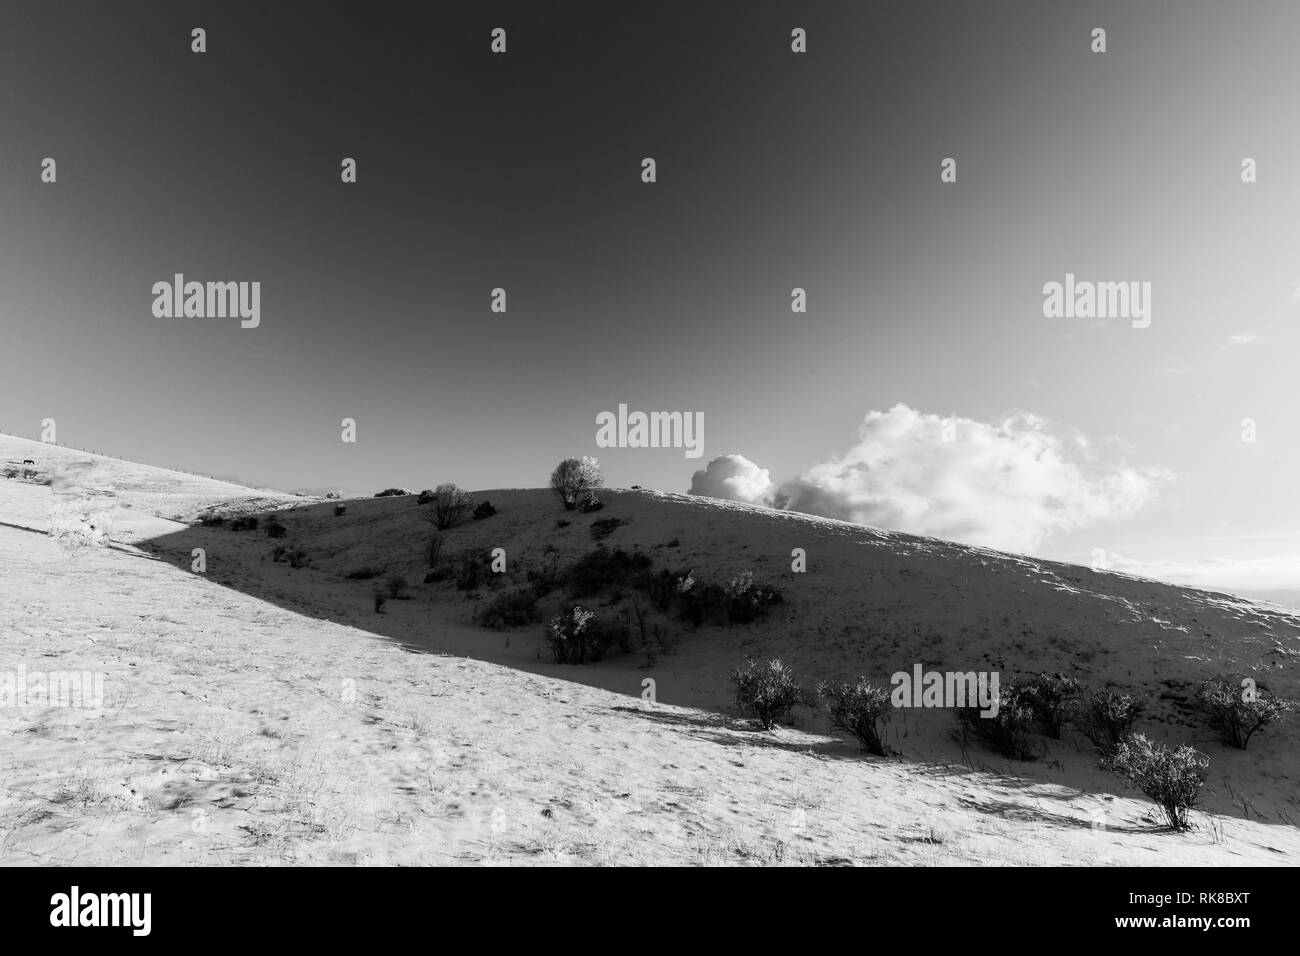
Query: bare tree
x=450 y=505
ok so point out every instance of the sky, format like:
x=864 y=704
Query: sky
x=775 y=170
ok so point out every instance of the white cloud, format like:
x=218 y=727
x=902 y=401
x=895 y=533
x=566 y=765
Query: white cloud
x=1007 y=485
x=1244 y=338
x=735 y=478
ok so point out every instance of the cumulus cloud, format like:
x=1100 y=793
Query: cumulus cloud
x=735 y=478
x=1006 y=485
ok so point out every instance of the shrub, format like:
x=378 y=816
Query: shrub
x=274 y=529
x=364 y=573
x=212 y=521
x=469 y=572
x=606 y=633
x=861 y=709
x=396 y=585
x=767 y=691
x=246 y=523
x=1009 y=731
x=426 y=496
x=1237 y=713
x=1054 y=700
x=380 y=600
x=574 y=637
x=295 y=557
x=591 y=503
x=333 y=494
x=544 y=578
x=514 y=609
x=697 y=603
x=394 y=493
x=449 y=507
x=601 y=569
x=746 y=600
x=573 y=478
x=561 y=523
x=484 y=510
x=654 y=639
x=604 y=527
x=340 y=510
x=1172 y=777
x=1108 y=719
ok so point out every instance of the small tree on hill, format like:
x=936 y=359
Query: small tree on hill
x=450 y=505
x=574 y=477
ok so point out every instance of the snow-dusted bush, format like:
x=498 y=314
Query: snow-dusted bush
x=82 y=513
x=1171 y=776
x=767 y=691
x=78 y=523
x=861 y=709
x=1238 y=711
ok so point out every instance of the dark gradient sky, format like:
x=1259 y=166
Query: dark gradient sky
x=775 y=171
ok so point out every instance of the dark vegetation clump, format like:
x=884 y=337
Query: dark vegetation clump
x=746 y=600
x=861 y=709
x=1054 y=701
x=484 y=510
x=654 y=638
x=295 y=557
x=602 y=570
x=578 y=636
x=245 y=523
x=1238 y=711
x=470 y=572
x=1108 y=719
x=1009 y=731
x=603 y=527
x=512 y=609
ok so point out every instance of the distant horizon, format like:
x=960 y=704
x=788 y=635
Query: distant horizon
x=1286 y=598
